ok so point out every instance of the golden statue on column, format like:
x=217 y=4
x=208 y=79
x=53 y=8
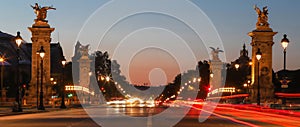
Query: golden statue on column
x=262 y=20
x=41 y=12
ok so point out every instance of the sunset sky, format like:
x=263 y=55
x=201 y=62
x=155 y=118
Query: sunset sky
x=153 y=47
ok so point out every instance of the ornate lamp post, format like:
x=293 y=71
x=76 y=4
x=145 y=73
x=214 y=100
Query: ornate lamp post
x=37 y=79
x=62 y=105
x=258 y=57
x=42 y=54
x=18 y=106
x=284 y=43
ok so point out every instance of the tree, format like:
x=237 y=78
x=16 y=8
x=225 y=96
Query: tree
x=108 y=72
x=204 y=73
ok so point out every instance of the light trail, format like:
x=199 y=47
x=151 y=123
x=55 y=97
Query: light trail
x=253 y=114
x=271 y=118
x=225 y=117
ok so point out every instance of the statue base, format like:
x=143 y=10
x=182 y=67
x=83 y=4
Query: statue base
x=40 y=24
x=263 y=29
x=218 y=69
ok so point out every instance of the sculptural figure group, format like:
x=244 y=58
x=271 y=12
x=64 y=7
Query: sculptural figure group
x=41 y=12
x=262 y=19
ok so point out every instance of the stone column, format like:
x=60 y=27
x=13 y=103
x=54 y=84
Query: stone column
x=41 y=36
x=84 y=77
x=84 y=69
x=217 y=67
x=262 y=38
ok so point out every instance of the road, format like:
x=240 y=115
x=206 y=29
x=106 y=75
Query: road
x=114 y=116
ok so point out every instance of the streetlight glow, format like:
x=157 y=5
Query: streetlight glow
x=1 y=59
x=211 y=74
x=18 y=39
x=199 y=79
x=285 y=42
x=250 y=63
x=42 y=52
x=107 y=78
x=258 y=54
x=63 y=62
x=236 y=66
x=102 y=78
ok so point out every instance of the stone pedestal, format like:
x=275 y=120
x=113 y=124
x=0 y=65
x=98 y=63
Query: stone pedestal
x=41 y=36
x=217 y=67
x=84 y=77
x=262 y=38
x=84 y=70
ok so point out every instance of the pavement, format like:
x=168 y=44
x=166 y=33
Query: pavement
x=110 y=116
x=223 y=115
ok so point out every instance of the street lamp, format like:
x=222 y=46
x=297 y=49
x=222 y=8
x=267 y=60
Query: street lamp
x=89 y=99
x=18 y=39
x=37 y=79
x=102 y=78
x=62 y=104
x=284 y=43
x=211 y=74
x=107 y=78
x=18 y=107
x=199 y=79
x=258 y=57
x=42 y=55
x=2 y=60
x=250 y=63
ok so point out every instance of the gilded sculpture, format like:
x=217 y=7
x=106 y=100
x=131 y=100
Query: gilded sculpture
x=262 y=20
x=41 y=12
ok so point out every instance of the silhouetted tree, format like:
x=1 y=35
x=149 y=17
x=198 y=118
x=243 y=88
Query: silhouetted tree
x=104 y=67
x=204 y=73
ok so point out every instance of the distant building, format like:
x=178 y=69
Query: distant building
x=239 y=71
